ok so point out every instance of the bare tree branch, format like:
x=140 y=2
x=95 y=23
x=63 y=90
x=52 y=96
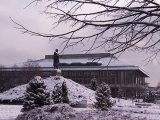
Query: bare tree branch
x=116 y=27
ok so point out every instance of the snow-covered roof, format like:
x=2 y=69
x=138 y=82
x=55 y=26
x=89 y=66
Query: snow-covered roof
x=102 y=61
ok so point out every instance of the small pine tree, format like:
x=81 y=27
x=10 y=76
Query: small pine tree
x=57 y=94
x=148 y=96
x=64 y=93
x=94 y=83
x=103 y=97
x=36 y=95
x=120 y=93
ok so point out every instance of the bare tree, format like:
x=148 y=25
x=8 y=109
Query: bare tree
x=2 y=66
x=114 y=25
x=2 y=84
x=31 y=69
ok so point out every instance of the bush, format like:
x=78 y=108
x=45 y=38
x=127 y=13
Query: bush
x=57 y=94
x=64 y=93
x=94 y=83
x=60 y=94
x=36 y=95
x=148 y=96
x=103 y=97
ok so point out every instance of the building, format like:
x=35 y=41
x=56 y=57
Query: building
x=82 y=68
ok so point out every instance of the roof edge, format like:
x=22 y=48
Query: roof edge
x=91 y=55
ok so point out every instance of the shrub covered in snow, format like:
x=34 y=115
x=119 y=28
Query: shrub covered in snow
x=65 y=112
x=103 y=97
x=94 y=83
x=65 y=98
x=120 y=93
x=35 y=95
x=51 y=112
x=148 y=96
x=60 y=93
x=57 y=94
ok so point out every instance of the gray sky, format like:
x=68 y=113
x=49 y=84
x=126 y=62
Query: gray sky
x=16 y=47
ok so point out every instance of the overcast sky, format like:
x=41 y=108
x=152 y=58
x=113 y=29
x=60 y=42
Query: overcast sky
x=16 y=47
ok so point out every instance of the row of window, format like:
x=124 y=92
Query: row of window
x=112 y=77
x=89 y=73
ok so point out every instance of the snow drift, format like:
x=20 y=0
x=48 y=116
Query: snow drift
x=65 y=112
x=76 y=92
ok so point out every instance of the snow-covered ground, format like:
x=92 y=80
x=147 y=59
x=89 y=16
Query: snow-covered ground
x=10 y=112
x=149 y=111
x=78 y=92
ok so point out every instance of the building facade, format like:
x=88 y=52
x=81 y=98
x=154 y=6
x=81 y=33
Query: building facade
x=81 y=68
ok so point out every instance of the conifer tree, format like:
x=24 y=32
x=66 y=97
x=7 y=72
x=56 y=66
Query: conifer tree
x=36 y=95
x=64 y=93
x=120 y=93
x=57 y=94
x=94 y=83
x=103 y=97
x=148 y=96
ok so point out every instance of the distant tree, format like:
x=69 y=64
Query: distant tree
x=2 y=69
x=103 y=97
x=148 y=96
x=115 y=25
x=2 y=66
x=94 y=83
x=65 y=98
x=57 y=94
x=7 y=80
x=3 y=83
x=36 y=95
x=30 y=69
x=31 y=65
x=120 y=93
x=158 y=86
x=15 y=66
